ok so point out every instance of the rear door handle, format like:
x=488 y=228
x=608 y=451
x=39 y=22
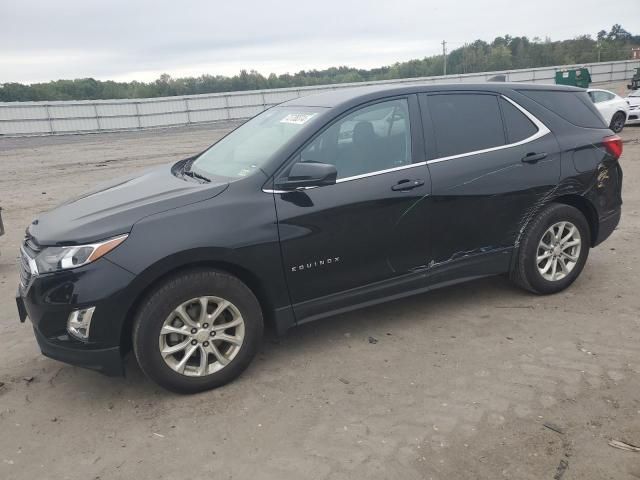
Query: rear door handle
x=533 y=157
x=407 y=184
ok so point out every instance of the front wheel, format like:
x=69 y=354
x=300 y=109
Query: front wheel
x=617 y=122
x=553 y=250
x=197 y=331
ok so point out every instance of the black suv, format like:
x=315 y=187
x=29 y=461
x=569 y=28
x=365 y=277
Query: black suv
x=317 y=206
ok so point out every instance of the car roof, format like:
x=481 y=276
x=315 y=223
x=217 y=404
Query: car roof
x=348 y=95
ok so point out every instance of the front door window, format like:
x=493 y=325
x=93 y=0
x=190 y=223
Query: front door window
x=368 y=140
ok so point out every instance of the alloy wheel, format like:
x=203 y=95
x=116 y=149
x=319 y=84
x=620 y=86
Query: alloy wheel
x=618 y=122
x=558 y=251
x=201 y=336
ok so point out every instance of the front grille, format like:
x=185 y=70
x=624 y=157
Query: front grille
x=29 y=250
x=31 y=247
x=24 y=269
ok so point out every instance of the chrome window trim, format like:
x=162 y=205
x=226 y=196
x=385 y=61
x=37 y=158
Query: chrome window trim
x=380 y=172
x=269 y=190
x=542 y=131
x=355 y=177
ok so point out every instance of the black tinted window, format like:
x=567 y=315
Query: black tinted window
x=465 y=123
x=517 y=124
x=368 y=140
x=574 y=107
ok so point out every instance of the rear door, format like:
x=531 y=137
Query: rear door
x=490 y=165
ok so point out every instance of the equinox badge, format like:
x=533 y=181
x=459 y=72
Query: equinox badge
x=315 y=264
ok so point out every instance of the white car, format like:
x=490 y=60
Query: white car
x=633 y=99
x=613 y=108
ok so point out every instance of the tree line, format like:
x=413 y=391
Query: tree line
x=503 y=53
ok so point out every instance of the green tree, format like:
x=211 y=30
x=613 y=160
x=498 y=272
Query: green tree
x=503 y=53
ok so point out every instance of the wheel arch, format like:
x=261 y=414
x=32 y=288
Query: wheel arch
x=586 y=208
x=158 y=275
x=613 y=115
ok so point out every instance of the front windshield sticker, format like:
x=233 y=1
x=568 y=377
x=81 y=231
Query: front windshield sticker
x=298 y=118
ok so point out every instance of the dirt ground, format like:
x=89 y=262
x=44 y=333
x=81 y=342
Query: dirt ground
x=453 y=384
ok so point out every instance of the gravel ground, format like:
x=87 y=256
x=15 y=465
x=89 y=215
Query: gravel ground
x=459 y=383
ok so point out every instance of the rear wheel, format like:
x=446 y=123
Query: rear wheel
x=553 y=250
x=197 y=331
x=617 y=122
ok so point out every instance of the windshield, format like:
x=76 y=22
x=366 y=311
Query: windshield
x=250 y=146
x=635 y=93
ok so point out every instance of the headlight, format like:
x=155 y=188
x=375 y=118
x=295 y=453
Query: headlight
x=52 y=259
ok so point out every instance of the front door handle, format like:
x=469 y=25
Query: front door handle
x=533 y=157
x=404 y=185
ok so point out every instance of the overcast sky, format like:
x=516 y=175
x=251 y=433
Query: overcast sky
x=128 y=39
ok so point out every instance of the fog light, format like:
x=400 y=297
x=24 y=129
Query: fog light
x=79 y=323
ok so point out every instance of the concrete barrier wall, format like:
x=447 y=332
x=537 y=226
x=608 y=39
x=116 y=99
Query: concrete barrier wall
x=90 y=116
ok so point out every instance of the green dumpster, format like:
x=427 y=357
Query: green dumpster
x=577 y=77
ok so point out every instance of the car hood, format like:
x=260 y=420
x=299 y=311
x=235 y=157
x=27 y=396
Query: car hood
x=114 y=208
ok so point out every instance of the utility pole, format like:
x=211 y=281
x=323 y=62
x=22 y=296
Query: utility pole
x=464 y=58
x=444 y=56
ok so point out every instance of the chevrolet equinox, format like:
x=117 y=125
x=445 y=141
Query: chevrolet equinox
x=317 y=206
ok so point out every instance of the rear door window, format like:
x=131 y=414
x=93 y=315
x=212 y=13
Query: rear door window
x=517 y=125
x=465 y=122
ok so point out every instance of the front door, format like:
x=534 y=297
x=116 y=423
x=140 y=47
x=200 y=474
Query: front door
x=372 y=225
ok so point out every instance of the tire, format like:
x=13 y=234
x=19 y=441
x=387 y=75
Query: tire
x=617 y=122
x=527 y=271
x=185 y=292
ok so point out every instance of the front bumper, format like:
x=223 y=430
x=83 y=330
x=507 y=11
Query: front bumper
x=64 y=349
x=633 y=116
x=49 y=299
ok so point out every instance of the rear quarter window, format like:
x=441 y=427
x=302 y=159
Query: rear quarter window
x=518 y=126
x=575 y=107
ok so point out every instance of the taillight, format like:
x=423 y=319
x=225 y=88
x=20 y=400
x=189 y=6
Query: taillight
x=613 y=145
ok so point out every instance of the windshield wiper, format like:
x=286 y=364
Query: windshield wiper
x=197 y=176
x=190 y=173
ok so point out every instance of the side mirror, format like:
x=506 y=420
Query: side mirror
x=308 y=174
